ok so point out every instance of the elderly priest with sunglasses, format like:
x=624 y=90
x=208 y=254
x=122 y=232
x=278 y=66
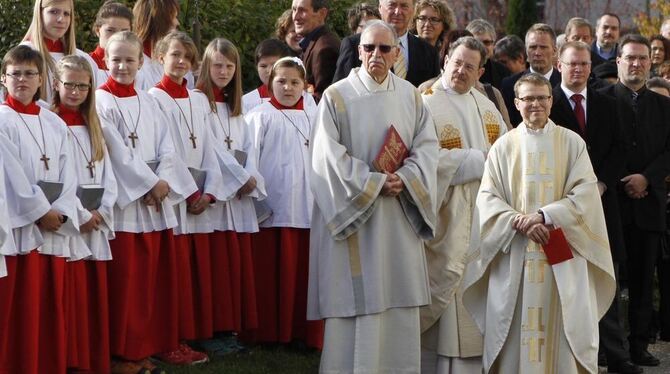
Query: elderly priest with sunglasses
x=374 y=182
x=543 y=275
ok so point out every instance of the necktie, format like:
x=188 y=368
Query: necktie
x=579 y=112
x=400 y=66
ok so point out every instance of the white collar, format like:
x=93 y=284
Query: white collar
x=548 y=75
x=371 y=84
x=568 y=93
x=403 y=40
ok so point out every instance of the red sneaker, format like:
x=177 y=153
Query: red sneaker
x=182 y=356
x=196 y=357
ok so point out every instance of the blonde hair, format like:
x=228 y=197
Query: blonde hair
x=87 y=108
x=185 y=40
x=153 y=19
x=126 y=37
x=234 y=88
x=35 y=35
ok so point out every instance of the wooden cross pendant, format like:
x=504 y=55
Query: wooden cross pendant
x=193 y=138
x=132 y=138
x=45 y=159
x=91 y=169
x=228 y=141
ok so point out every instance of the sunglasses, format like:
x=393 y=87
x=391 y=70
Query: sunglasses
x=383 y=48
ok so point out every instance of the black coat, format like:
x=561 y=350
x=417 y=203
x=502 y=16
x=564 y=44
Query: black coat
x=646 y=134
x=423 y=61
x=494 y=73
x=604 y=144
x=507 y=91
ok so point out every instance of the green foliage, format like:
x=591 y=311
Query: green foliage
x=244 y=22
x=521 y=14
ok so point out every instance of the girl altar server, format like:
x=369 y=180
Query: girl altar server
x=52 y=33
x=220 y=83
x=153 y=19
x=86 y=281
x=267 y=53
x=112 y=17
x=151 y=179
x=282 y=129
x=188 y=122
x=34 y=338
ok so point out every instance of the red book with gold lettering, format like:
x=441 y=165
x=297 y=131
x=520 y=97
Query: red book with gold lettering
x=558 y=249
x=392 y=154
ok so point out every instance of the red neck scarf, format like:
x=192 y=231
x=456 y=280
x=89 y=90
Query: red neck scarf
x=31 y=108
x=98 y=55
x=176 y=91
x=55 y=46
x=264 y=92
x=147 y=47
x=219 y=96
x=117 y=89
x=278 y=105
x=71 y=117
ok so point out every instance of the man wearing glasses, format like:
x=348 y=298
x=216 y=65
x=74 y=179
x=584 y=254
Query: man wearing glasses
x=417 y=60
x=467 y=124
x=543 y=276
x=645 y=120
x=367 y=275
x=589 y=113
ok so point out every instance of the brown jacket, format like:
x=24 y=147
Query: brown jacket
x=320 y=58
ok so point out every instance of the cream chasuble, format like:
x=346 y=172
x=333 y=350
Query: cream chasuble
x=466 y=125
x=367 y=265
x=538 y=318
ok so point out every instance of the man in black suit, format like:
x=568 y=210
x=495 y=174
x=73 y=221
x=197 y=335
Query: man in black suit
x=540 y=52
x=585 y=111
x=645 y=119
x=417 y=61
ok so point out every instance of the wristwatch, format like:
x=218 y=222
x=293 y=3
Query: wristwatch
x=541 y=213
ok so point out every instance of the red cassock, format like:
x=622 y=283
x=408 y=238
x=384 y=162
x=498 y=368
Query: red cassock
x=143 y=298
x=32 y=316
x=281 y=265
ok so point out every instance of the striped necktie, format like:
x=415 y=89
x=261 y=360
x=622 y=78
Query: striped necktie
x=400 y=66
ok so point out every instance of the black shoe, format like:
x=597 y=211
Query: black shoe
x=602 y=361
x=625 y=367
x=644 y=358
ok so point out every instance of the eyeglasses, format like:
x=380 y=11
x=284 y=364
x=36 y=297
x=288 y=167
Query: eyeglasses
x=532 y=99
x=81 y=87
x=573 y=65
x=432 y=20
x=383 y=48
x=28 y=74
x=468 y=67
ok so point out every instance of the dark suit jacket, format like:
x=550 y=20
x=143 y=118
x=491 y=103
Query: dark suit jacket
x=422 y=65
x=319 y=58
x=646 y=134
x=494 y=73
x=604 y=144
x=507 y=91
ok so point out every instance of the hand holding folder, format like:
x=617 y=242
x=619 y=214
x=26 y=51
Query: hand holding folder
x=558 y=249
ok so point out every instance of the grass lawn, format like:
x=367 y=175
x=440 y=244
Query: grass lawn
x=261 y=359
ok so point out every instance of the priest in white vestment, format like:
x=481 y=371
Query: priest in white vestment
x=368 y=273
x=538 y=302
x=467 y=124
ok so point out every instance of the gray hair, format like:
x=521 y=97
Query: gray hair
x=481 y=26
x=658 y=82
x=471 y=43
x=577 y=22
x=379 y=24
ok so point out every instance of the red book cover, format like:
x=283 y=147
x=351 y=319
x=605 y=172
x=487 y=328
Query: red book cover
x=558 y=249
x=392 y=154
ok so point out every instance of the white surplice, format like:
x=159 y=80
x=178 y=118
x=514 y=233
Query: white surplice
x=367 y=264
x=28 y=140
x=466 y=126
x=134 y=177
x=238 y=214
x=283 y=159
x=536 y=317
x=152 y=72
x=191 y=112
x=103 y=176
x=57 y=56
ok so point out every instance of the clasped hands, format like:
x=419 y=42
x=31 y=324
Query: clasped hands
x=635 y=186
x=393 y=185
x=532 y=225
x=156 y=195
